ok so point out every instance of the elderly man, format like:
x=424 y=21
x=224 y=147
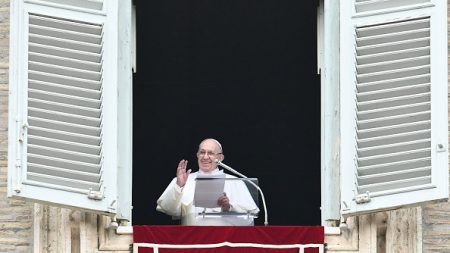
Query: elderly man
x=177 y=199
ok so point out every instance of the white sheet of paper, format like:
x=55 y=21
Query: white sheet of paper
x=208 y=189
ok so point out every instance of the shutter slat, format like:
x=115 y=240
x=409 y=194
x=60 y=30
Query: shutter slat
x=388 y=92
x=395 y=176
x=393 y=74
x=63 y=61
x=62 y=163
x=64 y=117
x=64 y=89
x=65 y=53
x=393 y=47
x=66 y=136
x=65 y=145
x=393 y=129
x=394 y=101
x=64 y=71
x=385 y=186
x=394 y=148
x=78 y=184
x=59 y=107
x=389 y=37
x=58 y=172
x=394 y=157
x=86 y=4
x=393 y=120
x=395 y=166
x=393 y=28
x=63 y=43
x=393 y=56
x=63 y=154
x=362 y=6
x=393 y=83
x=391 y=65
x=65 y=99
x=395 y=138
x=63 y=80
x=64 y=24
x=64 y=126
x=65 y=34
x=393 y=111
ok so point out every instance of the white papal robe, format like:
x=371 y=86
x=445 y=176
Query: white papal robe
x=178 y=202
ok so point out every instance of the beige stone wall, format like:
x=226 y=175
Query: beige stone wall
x=60 y=230
x=16 y=217
x=436 y=227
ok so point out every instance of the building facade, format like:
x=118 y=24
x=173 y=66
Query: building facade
x=39 y=227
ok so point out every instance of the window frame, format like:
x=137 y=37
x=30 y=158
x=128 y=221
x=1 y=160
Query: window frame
x=328 y=40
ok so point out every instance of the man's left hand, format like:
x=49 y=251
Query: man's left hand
x=224 y=202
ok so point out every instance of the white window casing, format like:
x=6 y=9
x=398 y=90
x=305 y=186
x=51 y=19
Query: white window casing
x=63 y=110
x=328 y=46
x=393 y=91
x=127 y=58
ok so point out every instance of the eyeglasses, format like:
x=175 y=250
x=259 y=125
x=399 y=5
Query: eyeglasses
x=209 y=153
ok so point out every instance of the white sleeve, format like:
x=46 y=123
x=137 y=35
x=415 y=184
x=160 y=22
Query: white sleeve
x=240 y=197
x=170 y=201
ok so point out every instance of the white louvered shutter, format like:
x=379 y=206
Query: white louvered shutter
x=63 y=121
x=393 y=103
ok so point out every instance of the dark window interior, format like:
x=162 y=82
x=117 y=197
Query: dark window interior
x=243 y=72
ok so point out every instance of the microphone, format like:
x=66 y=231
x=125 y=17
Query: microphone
x=221 y=164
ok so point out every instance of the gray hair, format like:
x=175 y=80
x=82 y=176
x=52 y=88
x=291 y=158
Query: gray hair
x=214 y=140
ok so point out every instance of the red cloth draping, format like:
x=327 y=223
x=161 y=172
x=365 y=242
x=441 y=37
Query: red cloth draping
x=277 y=235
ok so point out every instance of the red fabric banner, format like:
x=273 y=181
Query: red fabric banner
x=273 y=235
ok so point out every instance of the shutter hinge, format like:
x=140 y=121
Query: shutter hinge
x=95 y=195
x=22 y=131
x=18 y=165
x=362 y=198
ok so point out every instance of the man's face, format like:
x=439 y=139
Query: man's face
x=207 y=153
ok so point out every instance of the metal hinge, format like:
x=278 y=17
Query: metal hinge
x=22 y=131
x=18 y=165
x=362 y=198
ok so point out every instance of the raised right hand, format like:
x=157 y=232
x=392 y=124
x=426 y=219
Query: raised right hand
x=182 y=173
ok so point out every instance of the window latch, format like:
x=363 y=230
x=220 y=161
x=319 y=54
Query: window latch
x=362 y=198
x=95 y=195
x=441 y=147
